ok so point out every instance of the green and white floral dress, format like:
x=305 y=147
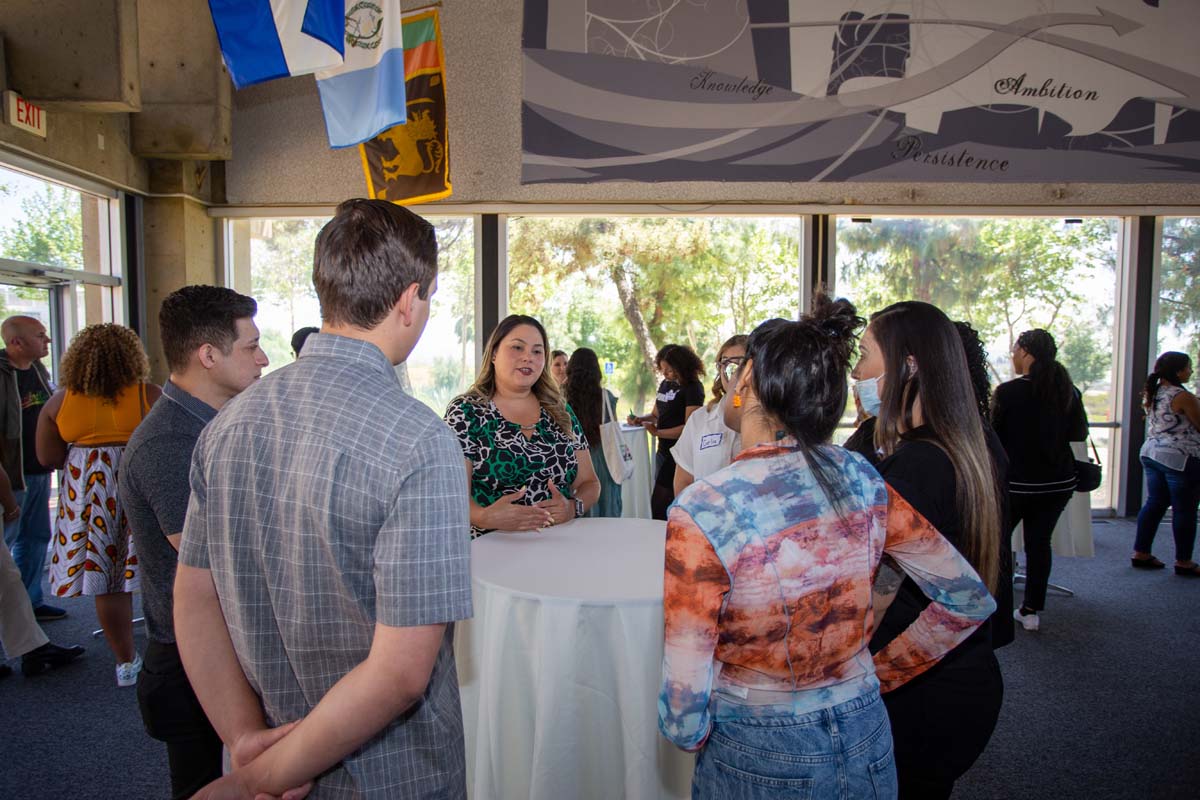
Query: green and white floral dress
x=503 y=460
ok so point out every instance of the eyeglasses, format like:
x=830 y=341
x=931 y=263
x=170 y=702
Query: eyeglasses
x=729 y=367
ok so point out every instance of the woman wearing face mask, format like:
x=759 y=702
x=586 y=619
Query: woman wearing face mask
x=707 y=444
x=934 y=453
x=767 y=587
x=521 y=441
x=1037 y=416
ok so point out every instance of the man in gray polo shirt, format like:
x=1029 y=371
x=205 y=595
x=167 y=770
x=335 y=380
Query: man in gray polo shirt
x=325 y=553
x=211 y=345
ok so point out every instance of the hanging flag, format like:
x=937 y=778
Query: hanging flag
x=265 y=39
x=365 y=95
x=409 y=163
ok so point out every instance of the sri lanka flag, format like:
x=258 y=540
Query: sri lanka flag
x=365 y=95
x=265 y=39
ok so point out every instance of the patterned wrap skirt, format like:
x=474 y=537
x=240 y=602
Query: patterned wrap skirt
x=93 y=550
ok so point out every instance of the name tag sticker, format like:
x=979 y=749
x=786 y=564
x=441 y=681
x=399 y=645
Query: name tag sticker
x=711 y=440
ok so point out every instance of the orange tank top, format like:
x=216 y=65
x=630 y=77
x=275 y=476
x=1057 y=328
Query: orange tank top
x=86 y=420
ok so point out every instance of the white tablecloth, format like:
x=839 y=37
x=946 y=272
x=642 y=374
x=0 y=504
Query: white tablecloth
x=1073 y=534
x=635 y=492
x=560 y=668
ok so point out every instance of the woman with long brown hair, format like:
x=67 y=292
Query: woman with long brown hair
x=588 y=399
x=83 y=430
x=934 y=453
x=520 y=439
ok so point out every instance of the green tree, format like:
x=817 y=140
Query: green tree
x=1179 y=291
x=49 y=230
x=1087 y=360
x=282 y=261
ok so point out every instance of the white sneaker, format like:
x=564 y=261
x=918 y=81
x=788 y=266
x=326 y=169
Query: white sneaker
x=1029 y=622
x=127 y=673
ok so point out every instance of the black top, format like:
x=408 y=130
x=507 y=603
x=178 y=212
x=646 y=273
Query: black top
x=34 y=394
x=154 y=493
x=862 y=441
x=923 y=474
x=1037 y=437
x=672 y=403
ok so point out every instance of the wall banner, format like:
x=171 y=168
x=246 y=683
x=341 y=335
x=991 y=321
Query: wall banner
x=850 y=90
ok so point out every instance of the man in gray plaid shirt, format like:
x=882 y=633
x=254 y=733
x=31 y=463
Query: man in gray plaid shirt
x=325 y=553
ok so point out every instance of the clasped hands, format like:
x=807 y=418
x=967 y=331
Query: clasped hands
x=506 y=514
x=241 y=784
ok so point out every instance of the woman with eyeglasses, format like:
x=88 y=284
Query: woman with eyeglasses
x=767 y=588
x=934 y=453
x=707 y=444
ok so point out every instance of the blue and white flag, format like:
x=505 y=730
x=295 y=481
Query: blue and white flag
x=365 y=95
x=265 y=39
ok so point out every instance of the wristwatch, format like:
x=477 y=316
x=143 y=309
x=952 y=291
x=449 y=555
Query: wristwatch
x=578 y=508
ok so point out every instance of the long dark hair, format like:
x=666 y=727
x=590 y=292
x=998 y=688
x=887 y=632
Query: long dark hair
x=584 y=392
x=798 y=373
x=546 y=389
x=977 y=360
x=1166 y=370
x=684 y=361
x=940 y=378
x=1051 y=381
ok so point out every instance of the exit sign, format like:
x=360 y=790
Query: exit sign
x=20 y=113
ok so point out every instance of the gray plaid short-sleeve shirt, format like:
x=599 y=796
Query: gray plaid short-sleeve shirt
x=324 y=499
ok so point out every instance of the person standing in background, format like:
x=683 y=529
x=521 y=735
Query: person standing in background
x=588 y=399
x=1171 y=460
x=558 y=366
x=26 y=389
x=1037 y=416
x=707 y=444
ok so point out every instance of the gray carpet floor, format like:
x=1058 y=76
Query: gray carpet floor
x=1101 y=703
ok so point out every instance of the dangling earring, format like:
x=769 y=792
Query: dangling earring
x=737 y=400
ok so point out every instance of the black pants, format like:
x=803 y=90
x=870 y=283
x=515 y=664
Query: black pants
x=664 y=483
x=172 y=714
x=1040 y=513
x=941 y=722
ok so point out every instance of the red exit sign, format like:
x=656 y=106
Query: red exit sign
x=20 y=113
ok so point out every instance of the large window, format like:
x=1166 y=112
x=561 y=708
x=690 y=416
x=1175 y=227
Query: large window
x=280 y=258
x=1003 y=276
x=58 y=262
x=626 y=286
x=1179 y=287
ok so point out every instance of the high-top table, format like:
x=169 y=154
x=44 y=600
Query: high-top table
x=561 y=666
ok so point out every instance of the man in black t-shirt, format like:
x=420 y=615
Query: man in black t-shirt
x=24 y=388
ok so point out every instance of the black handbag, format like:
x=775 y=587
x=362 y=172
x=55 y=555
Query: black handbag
x=1087 y=473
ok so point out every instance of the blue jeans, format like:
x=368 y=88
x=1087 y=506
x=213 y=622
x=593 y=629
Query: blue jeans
x=1179 y=489
x=30 y=534
x=840 y=752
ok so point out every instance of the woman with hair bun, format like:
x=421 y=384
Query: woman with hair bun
x=1171 y=460
x=1037 y=416
x=767 y=588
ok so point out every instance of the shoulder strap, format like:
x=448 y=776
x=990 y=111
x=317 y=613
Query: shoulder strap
x=606 y=412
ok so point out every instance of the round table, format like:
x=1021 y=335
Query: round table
x=561 y=667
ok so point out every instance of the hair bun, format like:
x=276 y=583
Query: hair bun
x=837 y=318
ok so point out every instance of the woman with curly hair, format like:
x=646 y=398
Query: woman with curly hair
x=83 y=430
x=680 y=395
x=521 y=441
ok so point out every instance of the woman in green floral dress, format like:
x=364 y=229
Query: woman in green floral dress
x=520 y=440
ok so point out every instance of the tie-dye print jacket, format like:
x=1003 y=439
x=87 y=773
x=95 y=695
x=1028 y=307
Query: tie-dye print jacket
x=767 y=592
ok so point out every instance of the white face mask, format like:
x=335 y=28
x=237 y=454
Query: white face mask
x=867 y=392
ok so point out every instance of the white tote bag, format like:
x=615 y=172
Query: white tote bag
x=616 y=453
